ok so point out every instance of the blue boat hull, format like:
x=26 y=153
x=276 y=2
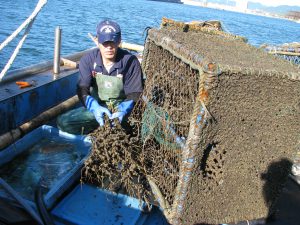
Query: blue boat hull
x=18 y=106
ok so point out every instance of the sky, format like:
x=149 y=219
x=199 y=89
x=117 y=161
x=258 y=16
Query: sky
x=277 y=2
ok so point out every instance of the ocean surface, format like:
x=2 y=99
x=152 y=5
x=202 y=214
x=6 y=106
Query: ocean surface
x=80 y=17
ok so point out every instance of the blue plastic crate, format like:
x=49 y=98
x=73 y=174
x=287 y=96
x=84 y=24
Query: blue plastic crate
x=62 y=182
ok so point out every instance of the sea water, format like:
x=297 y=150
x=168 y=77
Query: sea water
x=78 y=18
x=44 y=164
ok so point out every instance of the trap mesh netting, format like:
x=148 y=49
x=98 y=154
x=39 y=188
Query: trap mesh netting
x=214 y=132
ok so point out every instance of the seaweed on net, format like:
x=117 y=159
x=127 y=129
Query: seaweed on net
x=115 y=161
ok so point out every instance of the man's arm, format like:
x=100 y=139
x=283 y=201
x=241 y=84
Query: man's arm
x=133 y=96
x=83 y=90
x=133 y=88
x=85 y=79
x=82 y=93
x=133 y=84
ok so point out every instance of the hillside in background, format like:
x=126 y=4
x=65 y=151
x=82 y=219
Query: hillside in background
x=282 y=9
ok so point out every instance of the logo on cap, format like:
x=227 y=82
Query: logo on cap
x=107 y=29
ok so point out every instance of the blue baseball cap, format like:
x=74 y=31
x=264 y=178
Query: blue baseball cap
x=108 y=30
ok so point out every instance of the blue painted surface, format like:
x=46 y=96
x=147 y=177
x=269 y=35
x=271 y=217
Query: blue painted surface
x=21 y=106
x=88 y=205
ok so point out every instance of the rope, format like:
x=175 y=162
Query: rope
x=28 y=22
x=39 y=6
x=16 y=51
x=21 y=201
x=200 y=117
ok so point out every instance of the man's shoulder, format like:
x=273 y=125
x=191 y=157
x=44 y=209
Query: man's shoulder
x=126 y=55
x=90 y=55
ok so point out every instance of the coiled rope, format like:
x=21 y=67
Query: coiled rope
x=28 y=22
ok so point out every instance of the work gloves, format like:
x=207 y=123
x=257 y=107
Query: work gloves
x=124 y=108
x=98 y=110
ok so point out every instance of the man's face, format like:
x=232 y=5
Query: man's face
x=109 y=50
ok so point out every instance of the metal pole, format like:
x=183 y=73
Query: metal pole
x=57 y=46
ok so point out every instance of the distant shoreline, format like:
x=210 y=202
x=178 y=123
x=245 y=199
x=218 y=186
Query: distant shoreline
x=237 y=9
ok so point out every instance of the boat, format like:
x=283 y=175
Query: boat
x=29 y=126
x=287 y=51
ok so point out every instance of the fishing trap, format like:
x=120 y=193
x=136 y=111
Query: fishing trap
x=214 y=132
x=219 y=122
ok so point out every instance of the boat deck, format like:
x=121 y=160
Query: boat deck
x=19 y=105
x=10 y=88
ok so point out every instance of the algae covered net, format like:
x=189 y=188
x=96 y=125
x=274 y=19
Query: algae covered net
x=215 y=130
x=115 y=162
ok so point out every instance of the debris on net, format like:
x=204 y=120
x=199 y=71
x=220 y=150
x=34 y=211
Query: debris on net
x=210 y=27
x=115 y=162
x=192 y=26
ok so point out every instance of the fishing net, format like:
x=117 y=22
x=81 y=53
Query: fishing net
x=214 y=132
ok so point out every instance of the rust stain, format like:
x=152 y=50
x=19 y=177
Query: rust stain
x=211 y=67
x=203 y=95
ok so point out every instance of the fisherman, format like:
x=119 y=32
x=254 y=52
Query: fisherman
x=110 y=82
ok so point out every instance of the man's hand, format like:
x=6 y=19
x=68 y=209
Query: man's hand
x=124 y=108
x=98 y=110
